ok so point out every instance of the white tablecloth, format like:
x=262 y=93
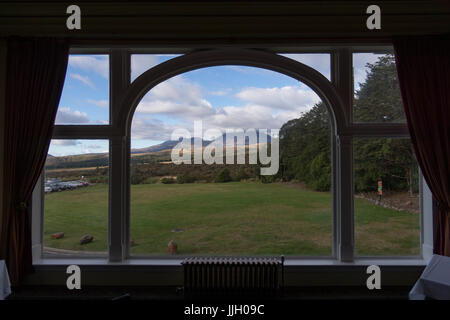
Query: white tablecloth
x=434 y=281
x=5 y=285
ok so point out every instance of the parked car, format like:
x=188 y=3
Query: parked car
x=67 y=186
x=76 y=184
x=56 y=185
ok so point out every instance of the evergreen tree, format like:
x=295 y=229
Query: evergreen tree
x=378 y=98
x=305 y=149
x=305 y=142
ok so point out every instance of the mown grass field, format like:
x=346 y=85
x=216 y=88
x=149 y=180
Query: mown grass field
x=235 y=218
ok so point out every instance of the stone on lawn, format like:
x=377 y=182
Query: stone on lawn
x=86 y=239
x=58 y=235
x=172 y=247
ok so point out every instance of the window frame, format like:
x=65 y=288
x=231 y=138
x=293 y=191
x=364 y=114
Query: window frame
x=341 y=154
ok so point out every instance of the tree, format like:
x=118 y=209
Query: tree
x=305 y=149
x=378 y=98
x=305 y=142
x=223 y=176
x=391 y=159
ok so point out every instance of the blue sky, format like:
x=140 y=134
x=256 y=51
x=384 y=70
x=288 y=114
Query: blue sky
x=85 y=97
x=222 y=97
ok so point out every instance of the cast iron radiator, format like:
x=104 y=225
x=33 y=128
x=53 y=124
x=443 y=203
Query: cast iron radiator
x=212 y=276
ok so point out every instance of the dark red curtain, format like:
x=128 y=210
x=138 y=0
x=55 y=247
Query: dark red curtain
x=35 y=75
x=423 y=67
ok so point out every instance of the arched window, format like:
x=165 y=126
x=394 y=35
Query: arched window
x=346 y=186
x=223 y=197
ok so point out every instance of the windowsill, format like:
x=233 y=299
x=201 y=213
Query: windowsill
x=169 y=272
x=177 y=262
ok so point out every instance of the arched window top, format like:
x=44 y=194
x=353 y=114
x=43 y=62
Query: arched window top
x=253 y=58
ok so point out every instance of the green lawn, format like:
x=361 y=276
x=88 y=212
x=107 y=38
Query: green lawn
x=234 y=218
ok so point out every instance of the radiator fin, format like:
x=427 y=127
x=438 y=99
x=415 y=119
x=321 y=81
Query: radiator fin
x=212 y=276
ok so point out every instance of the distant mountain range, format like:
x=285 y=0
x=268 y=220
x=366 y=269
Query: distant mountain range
x=247 y=139
x=159 y=151
x=169 y=144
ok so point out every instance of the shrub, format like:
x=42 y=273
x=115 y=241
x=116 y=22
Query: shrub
x=150 y=180
x=98 y=179
x=267 y=179
x=168 y=180
x=137 y=178
x=223 y=176
x=186 y=178
x=241 y=175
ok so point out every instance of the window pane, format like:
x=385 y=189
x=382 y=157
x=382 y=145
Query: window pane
x=319 y=61
x=85 y=95
x=387 y=212
x=143 y=62
x=377 y=95
x=231 y=208
x=76 y=197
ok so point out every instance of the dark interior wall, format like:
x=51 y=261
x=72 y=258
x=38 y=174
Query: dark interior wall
x=202 y=24
x=2 y=112
x=206 y=23
x=152 y=275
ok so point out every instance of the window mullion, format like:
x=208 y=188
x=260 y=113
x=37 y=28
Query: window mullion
x=117 y=241
x=342 y=78
x=345 y=201
x=119 y=81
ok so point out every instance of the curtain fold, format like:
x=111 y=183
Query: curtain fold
x=423 y=68
x=36 y=69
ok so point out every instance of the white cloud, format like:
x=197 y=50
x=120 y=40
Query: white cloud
x=249 y=70
x=149 y=128
x=250 y=116
x=176 y=97
x=98 y=64
x=285 y=98
x=319 y=61
x=141 y=63
x=182 y=102
x=263 y=108
x=99 y=103
x=84 y=79
x=66 y=116
x=95 y=146
x=65 y=143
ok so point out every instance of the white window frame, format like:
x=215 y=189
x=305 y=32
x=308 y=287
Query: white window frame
x=342 y=168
